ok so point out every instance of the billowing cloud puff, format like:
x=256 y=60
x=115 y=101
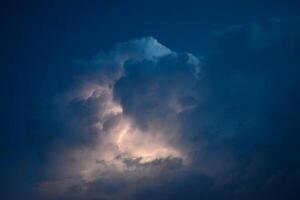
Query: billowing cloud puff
x=126 y=118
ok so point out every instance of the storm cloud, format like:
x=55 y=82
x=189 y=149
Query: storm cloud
x=145 y=122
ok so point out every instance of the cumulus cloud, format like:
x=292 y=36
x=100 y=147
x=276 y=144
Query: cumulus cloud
x=125 y=119
x=150 y=123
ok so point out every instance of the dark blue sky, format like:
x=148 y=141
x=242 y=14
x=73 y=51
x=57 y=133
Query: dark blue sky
x=246 y=106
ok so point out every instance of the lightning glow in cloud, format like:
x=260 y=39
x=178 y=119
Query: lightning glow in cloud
x=120 y=147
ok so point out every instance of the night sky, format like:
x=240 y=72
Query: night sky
x=150 y=100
